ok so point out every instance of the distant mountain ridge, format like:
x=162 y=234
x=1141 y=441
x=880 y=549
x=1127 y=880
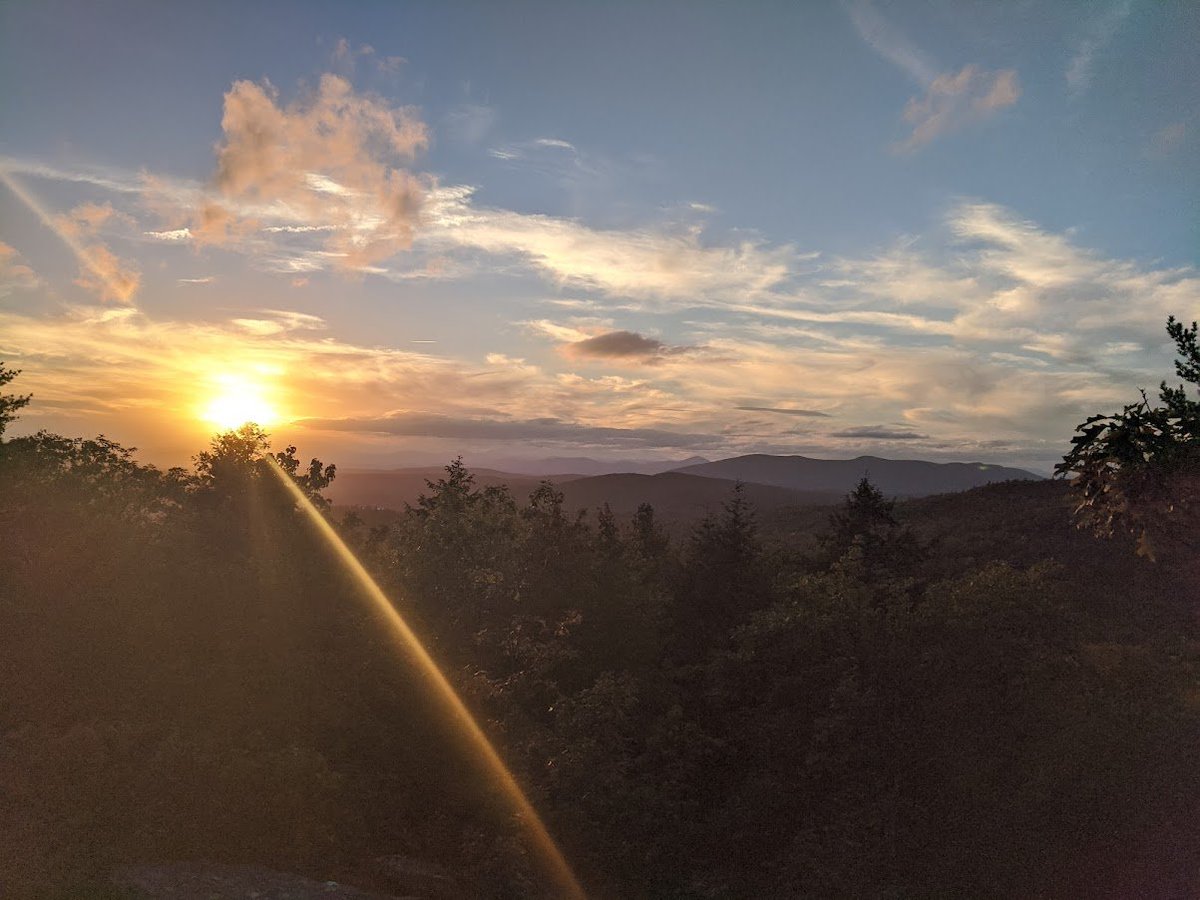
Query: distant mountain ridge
x=392 y=488
x=690 y=491
x=894 y=477
x=681 y=496
x=577 y=466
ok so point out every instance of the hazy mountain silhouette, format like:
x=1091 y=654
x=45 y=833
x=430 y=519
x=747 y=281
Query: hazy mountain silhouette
x=674 y=495
x=680 y=496
x=584 y=465
x=393 y=488
x=895 y=477
x=690 y=491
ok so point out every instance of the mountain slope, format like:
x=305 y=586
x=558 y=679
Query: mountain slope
x=895 y=477
x=680 y=496
x=395 y=487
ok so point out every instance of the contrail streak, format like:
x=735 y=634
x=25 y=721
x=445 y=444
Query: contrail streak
x=85 y=259
x=556 y=863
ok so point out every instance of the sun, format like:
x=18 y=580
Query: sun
x=238 y=402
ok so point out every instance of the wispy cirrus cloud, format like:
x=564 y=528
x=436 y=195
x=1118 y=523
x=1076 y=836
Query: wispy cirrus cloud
x=879 y=433
x=1000 y=328
x=637 y=263
x=101 y=271
x=987 y=324
x=543 y=430
x=951 y=100
x=1098 y=34
x=889 y=42
x=786 y=411
x=1167 y=141
x=470 y=123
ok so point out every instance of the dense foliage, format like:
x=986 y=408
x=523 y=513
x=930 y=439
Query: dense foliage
x=1138 y=471
x=921 y=701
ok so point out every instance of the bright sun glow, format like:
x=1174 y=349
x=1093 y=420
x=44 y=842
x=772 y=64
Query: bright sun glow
x=237 y=402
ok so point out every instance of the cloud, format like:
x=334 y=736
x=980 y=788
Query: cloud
x=639 y=263
x=553 y=158
x=555 y=144
x=470 y=123
x=117 y=181
x=1167 y=140
x=172 y=236
x=279 y=321
x=107 y=276
x=332 y=158
x=101 y=271
x=1099 y=33
x=786 y=411
x=879 y=433
x=888 y=42
x=542 y=430
x=15 y=273
x=954 y=101
x=622 y=345
x=302 y=222
x=987 y=324
x=85 y=220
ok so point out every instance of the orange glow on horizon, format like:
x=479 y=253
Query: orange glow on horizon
x=237 y=402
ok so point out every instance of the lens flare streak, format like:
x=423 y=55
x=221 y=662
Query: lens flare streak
x=555 y=862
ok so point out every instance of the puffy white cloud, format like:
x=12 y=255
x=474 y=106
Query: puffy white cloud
x=332 y=161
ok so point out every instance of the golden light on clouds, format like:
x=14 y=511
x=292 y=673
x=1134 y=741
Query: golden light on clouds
x=238 y=400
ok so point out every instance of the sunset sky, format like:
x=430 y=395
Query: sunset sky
x=402 y=231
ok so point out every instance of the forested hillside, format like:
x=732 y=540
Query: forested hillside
x=959 y=696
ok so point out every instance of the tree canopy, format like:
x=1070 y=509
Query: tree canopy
x=9 y=403
x=1138 y=470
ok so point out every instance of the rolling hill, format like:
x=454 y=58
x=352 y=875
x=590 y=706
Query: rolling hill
x=678 y=496
x=392 y=488
x=895 y=477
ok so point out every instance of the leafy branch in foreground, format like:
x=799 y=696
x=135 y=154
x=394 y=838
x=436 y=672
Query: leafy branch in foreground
x=10 y=403
x=1138 y=471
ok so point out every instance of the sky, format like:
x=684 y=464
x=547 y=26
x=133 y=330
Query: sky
x=398 y=232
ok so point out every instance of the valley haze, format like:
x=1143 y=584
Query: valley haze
x=691 y=487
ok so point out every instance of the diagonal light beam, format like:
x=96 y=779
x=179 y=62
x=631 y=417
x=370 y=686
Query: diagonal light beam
x=556 y=864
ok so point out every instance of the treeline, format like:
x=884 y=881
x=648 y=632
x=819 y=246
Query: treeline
x=186 y=671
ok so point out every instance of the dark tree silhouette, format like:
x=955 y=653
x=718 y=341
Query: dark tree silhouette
x=1138 y=471
x=866 y=531
x=9 y=403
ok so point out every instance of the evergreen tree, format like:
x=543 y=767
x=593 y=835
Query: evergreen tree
x=866 y=534
x=1138 y=471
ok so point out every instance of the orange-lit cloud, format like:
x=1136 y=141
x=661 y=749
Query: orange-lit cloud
x=955 y=100
x=101 y=271
x=990 y=330
x=333 y=157
x=15 y=273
